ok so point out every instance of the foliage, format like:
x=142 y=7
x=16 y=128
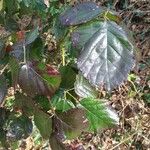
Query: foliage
x=61 y=98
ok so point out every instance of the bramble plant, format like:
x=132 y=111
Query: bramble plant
x=59 y=94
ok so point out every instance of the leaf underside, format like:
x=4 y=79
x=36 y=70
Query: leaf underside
x=107 y=57
x=81 y=13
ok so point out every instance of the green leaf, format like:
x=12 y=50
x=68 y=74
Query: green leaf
x=74 y=122
x=3 y=116
x=59 y=30
x=81 y=13
x=107 y=57
x=44 y=123
x=25 y=103
x=14 y=67
x=3 y=88
x=2 y=52
x=43 y=102
x=98 y=114
x=37 y=50
x=83 y=88
x=60 y=103
x=30 y=37
x=68 y=77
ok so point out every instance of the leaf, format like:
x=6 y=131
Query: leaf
x=30 y=37
x=83 y=33
x=3 y=116
x=2 y=52
x=43 y=102
x=57 y=138
x=37 y=50
x=25 y=103
x=59 y=30
x=81 y=13
x=74 y=122
x=3 y=88
x=68 y=76
x=44 y=123
x=83 y=88
x=1 y=5
x=19 y=128
x=60 y=103
x=98 y=115
x=34 y=84
x=14 y=67
x=17 y=51
x=107 y=57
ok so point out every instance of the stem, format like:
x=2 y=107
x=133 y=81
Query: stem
x=1 y=71
x=63 y=56
x=24 y=52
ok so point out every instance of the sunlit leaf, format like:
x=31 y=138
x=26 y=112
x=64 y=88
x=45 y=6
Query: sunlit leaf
x=98 y=114
x=44 y=123
x=107 y=57
x=83 y=88
x=60 y=102
x=81 y=13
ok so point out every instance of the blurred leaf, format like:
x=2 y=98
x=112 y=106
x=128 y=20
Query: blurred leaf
x=73 y=122
x=83 y=88
x=146 y=97
x=43 y=102
x=30 y=37
x=59 y=30
x=25 y=103
x=113 y=16
x=107 y=57
x=55 y=144
x=3 y=88
x=81 y=13
x=37 y=50
x=19 y=128
x=44 y=123
x=98 y=114
x=3 y=116
x=14 y=67
x=1 y=5
x=61 y=103
x=68 y=77
x=2 y=52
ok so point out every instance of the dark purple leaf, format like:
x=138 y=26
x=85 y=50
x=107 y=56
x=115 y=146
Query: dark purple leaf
x=107 y=57
x=81 y=13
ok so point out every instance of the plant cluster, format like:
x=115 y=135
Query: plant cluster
x=61 y=99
